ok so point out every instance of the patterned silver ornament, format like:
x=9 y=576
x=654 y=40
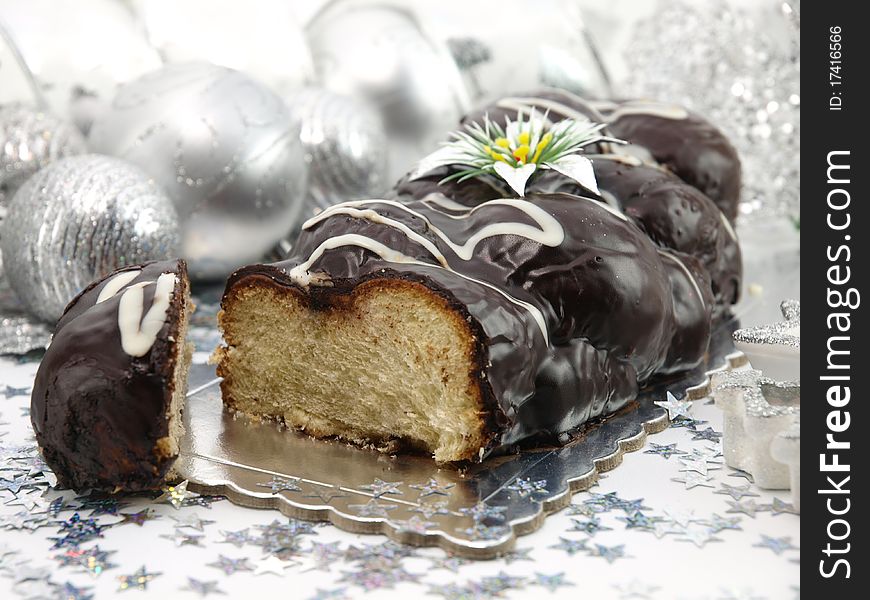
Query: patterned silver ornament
x=225 y=149
x=78 y=219
x=75 y=50
x=345 y=145
x=29 y=140
x=380 y=52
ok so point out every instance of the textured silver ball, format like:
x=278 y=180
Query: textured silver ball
x=29 y=140
x=382 y=53
x=78 y=219
x=225 y=149
x=345 y=145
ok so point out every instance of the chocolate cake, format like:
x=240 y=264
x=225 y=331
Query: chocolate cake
x=526 y=278
x=106 y=403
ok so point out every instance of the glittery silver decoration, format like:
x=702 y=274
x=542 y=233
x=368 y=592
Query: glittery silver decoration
x=225 y=149
x=381 y=52
x=20 y=335
x=70 y=47
x=739 y=67
x=78 y=219
x=345 y=145
x=775 y=348
x=786 y=448
x=757 y=409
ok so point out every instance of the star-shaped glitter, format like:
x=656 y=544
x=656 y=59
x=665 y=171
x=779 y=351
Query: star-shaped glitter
x=551 y=582
x=526 y=487
x=591 y=526
x=380 y=488
x=430 y=509
x=182 y=538
x=372 y=508
x=697 y=464
x=13 y=485
x=230 y=565
x=414 y=525
x=482 y=512
x=638 y=520
x=325 y=493
x=432 y=488
x=100 y=505
x=518 y=554
x=716 y=523
x=692 y=480
x=777 y=545
x=137 y=518
x=203 y=501
x=746 y=507
x=778 y=507
x=138 y=580
x=608 y=553
x=686 y=423
x=77 y=531
x=737 y=492
x=191 y=521
x=272 y=565
x=11 y=392
x=449 y=562
x=68 y=591
x=707 y=434
x=32 y=500
x=666 y=451
x=282 y=484
x=741 y=473
x=662 y=528
x=680 y=517
x=176 y=495
x=93 y=560
x=203 y=588
x=570 y=546
x=698 y=535
x=236 y=538
x=496 y=584
x=586 y=510
x=324 y=555
x=676 y=408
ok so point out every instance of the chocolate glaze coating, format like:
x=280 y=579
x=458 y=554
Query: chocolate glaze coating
x=98 y=412
x=675 y=216
x=606 y=295
x=691 y=147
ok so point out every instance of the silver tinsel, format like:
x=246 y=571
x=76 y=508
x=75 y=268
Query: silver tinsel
x=741 y=69
x=345 y=145
x=77 y=220
x=225 y=149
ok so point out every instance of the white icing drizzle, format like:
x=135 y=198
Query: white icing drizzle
x=640 y=107
x=114 y=285
x=300 y=273
x=442 y=201
x=525 y=105
x=139 y=333
x=685 y=269
x=550 y=232
x=728 y=227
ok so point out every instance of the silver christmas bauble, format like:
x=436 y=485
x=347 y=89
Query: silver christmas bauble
x=503 y=47
x=345 y=146
x=78 y=219
x=380 y=52
x=71 y=52
x=212 y=30
x=29 y=140
x=225 y=149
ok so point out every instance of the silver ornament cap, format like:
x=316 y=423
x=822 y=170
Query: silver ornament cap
x=224 y=148
x=77 y=220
